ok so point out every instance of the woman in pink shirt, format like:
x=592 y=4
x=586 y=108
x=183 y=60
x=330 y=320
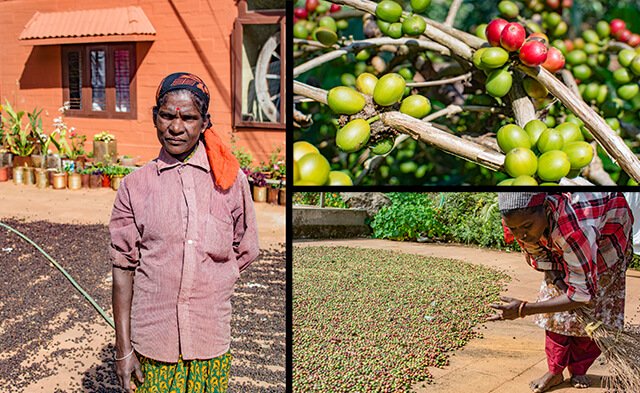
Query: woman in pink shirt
x=182 y=229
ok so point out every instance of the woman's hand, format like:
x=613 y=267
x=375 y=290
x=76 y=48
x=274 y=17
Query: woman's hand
x=125 y=368
x=509 y=310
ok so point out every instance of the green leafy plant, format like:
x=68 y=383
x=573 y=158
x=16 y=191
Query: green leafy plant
x=410 y=216
x=21 y=139
x=331 y=199
x=245 y=159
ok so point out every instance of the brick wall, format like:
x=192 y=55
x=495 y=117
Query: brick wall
x=193 y=36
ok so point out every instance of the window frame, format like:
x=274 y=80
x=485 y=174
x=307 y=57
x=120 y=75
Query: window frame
x=262 y=17
x=110 y=90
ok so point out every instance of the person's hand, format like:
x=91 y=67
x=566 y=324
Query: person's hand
x=125 y=368
x=509 y=310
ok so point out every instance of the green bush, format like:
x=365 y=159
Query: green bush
x=331 y=199
x=468 y=218
x=635 y=262
x=474 y=218
x=410 y=215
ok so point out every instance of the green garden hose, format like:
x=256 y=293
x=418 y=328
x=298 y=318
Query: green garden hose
x=64 y=272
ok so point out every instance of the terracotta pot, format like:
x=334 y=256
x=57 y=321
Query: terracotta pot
x=18 y=174
x=74 y=181
x=272 y=195
x=282 y=197
x=85 y=180
x=259 y=194
x=59 y=180
x=105 y=152
x=22 y=161
x=95 y=181
x=106 y=181
x=42 y=178
x=4 y=173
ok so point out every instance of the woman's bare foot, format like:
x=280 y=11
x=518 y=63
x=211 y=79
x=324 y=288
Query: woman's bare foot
x=580 y=381
x=545 y=382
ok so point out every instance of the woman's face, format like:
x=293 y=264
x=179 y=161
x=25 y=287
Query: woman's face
x=179 y=124
x=527 y=226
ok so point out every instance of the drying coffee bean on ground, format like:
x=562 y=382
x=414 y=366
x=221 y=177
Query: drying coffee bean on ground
x=48 y=329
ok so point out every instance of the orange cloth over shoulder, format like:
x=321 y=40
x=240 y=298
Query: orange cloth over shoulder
x=224 y=164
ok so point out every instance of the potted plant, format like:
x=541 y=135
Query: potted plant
x=95 y=178
x=106 y=176
x=282 y=194
x=18 y=137
x=59 y=180
x=259 y=186
x=272 y=193
x=74 y=179
x=118 y=173
x=42 y=178
x=85 y=174
x=104 y=148
x=127 y=160
x=4 y=172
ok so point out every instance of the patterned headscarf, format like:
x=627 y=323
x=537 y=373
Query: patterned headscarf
x=223 y=163
x=519 y=200
x=184 y=81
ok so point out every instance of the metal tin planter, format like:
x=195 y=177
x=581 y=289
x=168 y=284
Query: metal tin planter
x=59 y=180
x=74 y=181
x=115 y=181
x=259 y=194
x=29 y=175
x=18 y=174
x=42 y=178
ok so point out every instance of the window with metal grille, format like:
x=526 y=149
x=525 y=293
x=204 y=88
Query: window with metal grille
x=99 y=81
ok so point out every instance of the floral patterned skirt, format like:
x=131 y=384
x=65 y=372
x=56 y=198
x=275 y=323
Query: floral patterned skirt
x=186 y=376
x=607 y=306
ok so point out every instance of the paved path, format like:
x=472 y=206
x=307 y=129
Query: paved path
x=511 y=353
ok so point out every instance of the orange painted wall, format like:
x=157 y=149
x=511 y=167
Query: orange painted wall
x=31 y=76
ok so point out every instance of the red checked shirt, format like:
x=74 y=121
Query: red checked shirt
x=188 y=242
x=588 y=235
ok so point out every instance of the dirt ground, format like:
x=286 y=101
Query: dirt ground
x=511 y=353
x=79 y=353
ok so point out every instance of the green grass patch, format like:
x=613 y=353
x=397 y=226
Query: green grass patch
x=374 y=320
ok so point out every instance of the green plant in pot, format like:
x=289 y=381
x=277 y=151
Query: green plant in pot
x=18 y=137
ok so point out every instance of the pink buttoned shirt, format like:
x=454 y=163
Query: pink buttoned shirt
x=188 y=241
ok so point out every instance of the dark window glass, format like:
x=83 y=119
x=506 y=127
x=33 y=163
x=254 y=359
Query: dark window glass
x=98 y=80
x=75 y=80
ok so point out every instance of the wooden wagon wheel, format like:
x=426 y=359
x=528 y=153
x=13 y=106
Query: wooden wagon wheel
x=268 y=78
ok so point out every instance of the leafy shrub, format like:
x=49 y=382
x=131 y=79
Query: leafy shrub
x=635 y=262
x=410 y=215
x=474 y=218
x=331 y=199
x=469 y=218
